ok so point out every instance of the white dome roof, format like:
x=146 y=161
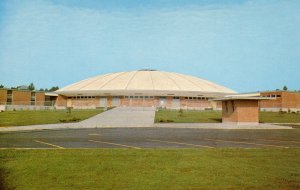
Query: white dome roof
x=149 y=82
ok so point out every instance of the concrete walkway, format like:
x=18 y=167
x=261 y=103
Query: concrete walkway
x=117 y=117
x=123 y=117
x=220 y=126
x=134 y=117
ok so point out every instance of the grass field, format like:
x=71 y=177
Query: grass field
x=150 y=169
x=17 y=118
x=188 y=116
x=192 y=116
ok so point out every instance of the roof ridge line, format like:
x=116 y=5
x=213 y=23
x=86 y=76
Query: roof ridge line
x=184 y=77
x=131 y=79
x=111 y=80
x=97 y=78
x=171 y=79
x=151 y=79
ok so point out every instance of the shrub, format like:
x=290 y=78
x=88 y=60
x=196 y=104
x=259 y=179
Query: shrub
x=180 y=112
x=160 y=120
x=74 y=119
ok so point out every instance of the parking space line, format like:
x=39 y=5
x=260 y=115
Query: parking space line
x=94 y=134
x=180 y=143
x=239 y=142
x=42 y=142
x=104 y=142
x=278 y=140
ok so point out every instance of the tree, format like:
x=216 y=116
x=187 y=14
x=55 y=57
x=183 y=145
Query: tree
x=53 y=88
x=1 y=86
x=41 y=89
x=285 y=88
x=31 y=86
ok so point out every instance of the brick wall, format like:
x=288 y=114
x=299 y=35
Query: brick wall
x=21 y=97
x=290 y=100
x=286 y=100
x=3 y=96
x=85 y=103
x=274 y=103
x=195 y=103
x=240 y=111
x=229 y=113
x=40 y=98
x=61 y=100
x=139 y=102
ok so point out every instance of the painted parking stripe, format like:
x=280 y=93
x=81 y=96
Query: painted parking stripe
x=278 y=140
x=239 y=142
x=123 y=145
x=180 y=143
x=42 y=142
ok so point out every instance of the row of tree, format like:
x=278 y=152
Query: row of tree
x=32 y=87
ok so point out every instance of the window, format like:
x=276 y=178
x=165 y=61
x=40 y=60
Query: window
x=176 y=97
x=9 y=97
x=32 y=99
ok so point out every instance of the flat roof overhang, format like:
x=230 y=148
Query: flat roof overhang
x=243 y=98
x=142 y=93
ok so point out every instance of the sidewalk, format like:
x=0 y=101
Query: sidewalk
x=134 y=117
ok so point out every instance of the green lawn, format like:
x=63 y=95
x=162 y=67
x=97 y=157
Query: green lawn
x=151 y=169
x=192 y=116
x=188 y=116
x=17 y=118
x=276 y=117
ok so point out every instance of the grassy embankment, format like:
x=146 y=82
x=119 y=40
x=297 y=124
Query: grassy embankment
x=192 y=116
x=18 y=118
x=150 y=169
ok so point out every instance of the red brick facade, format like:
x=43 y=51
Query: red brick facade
x=282 y=99
x=137 y=101
x=61 y=101
x=240 y=111
x=21 y=97
x=39 y=98
x=3 y=96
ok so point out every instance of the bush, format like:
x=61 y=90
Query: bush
x=74 y=119
x=160 y=120
x=282 y=112
x=180 y=112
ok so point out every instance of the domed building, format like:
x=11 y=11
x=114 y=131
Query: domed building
x=148 y=88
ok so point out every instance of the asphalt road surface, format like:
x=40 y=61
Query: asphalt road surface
x=138 y=138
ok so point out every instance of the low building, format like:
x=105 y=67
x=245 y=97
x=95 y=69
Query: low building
x=149 y=88
x=241 y=109
x=23 y=99
x=145 y=88
x=280 y=100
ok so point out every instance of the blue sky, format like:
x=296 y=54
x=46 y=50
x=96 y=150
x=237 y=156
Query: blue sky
x=244 y=45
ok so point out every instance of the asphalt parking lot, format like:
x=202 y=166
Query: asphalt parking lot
x=138 y=138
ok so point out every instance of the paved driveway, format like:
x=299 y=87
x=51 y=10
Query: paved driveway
x=123 y=117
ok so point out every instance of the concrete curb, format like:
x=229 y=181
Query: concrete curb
x=167 y=125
